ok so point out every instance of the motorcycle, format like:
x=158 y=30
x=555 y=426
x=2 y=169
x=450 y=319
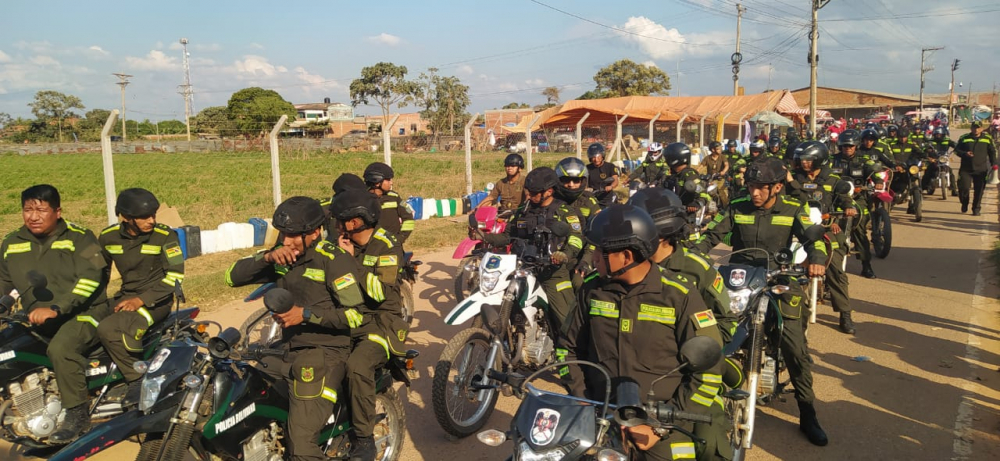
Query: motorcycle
x=754 y=294
x=208 y=398
x=911 y=191
x=30 y=403
x=879 y=197
x=554 y=426
x=408 y=278
x=509 y=331
x=941 y=162
x=485 y=220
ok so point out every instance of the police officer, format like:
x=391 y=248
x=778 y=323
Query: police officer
x=508 y=193
x=872 y=149
x=978 y=155
x=848 y=164
x=942 y=144
x=540 y=213
x=717 y=167
x=343 y=182
x=813 y=182
x=395 y=217
x=732 y=154
x=633 y=318
x=148 y=256
x=902 y=152
x=603 y=176
x=326 y=284
x=684 y=180
x=774 y=146
x=768 y=220
x=67 y=304
x=379 y=254
x=891 y=135
x=572 y=173
x=653 y=170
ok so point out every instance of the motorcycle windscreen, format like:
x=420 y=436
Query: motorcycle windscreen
x=547 y=421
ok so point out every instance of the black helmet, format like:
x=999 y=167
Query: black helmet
x=571 y=167
x=712 y=145
x=540 y=179
x=594 y=150
x=136 y=203
x=773 y=142
x=759 y=147
x=514 y=160
x=810 y=134
x=891 y=129
x=624 y=227
x=348 y=181
x=869 y=134
x=775 y=133
x=376 y=173
x=812 y=151
x=356 y=203
x=732 y=143
x=882 y=132
x=849 y=138
x=770 y=171
x=298 y=215
x=677 y=154
x=792 y=136
x=665 y=207
x=939 y=131
x=903 y=132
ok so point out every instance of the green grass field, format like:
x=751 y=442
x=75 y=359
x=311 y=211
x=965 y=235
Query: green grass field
x=209 y=189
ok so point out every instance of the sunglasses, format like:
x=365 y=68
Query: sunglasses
x=571 y=180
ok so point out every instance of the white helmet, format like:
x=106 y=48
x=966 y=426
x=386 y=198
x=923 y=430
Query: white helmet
x=655 y=151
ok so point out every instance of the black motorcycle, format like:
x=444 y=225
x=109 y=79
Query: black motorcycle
x=208 y=398
x=30 y=404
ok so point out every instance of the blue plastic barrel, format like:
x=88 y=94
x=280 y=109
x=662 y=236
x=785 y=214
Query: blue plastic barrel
x=417 y=205
x=259 y=231
x=182 y=236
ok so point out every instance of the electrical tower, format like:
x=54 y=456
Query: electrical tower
x=123 y=82
x=186 y=89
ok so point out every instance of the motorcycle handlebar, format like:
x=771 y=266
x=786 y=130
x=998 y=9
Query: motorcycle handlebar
x=668 y=415
x=259 y=352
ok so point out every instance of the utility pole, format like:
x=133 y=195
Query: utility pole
x=123 y=82
x=951 y=88
x=814 y=60
x=678 y=77
x=769 y=69
x=924 y=70
x=187 y=90
x=737 y=56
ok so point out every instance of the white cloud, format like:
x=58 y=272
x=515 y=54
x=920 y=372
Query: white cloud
x=43 y=60
x=196 y=46
x=98 y=50
x=465 y=69
x=650 y=64
x=653 y=39
x=257 y=66
x=535 y=82
x=4 y=57
x=155 y=60
x=38 y=47
x=385 y=39
x=256 y=46
x=316 y=82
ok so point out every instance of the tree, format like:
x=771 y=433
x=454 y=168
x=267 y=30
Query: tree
x=384 y=83
x=5 y=120
x=255 y=110
x=626 y=78
x=212 y=120
x=593 y=94
x=515 y=105
x=50 y=104
x=551 y=95
x=172 y=127
x=451 y=100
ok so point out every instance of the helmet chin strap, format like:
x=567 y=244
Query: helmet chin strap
x=621 y=271
x=131 y=226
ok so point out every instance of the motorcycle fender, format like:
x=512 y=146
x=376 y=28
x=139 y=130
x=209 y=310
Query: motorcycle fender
x=470 y=307
x=465 y=248
x=119 y=429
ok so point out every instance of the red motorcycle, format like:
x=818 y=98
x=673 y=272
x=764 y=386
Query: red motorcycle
x=485 y=220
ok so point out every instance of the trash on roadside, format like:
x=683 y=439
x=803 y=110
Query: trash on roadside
x=862 y=358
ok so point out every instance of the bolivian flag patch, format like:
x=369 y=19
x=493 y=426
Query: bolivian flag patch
x=704 y=319
x=388 y=260
x=344 y=282
x=718 y=283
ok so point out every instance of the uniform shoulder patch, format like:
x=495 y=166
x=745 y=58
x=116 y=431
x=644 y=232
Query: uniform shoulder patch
x=328 y=249
x=392 y=193
x=703 y=319
x=110 y=228
x=76 y=228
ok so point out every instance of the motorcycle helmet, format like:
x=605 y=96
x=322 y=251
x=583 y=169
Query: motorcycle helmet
x=376 y=173
x=773 y=142
x=810 y=135
x=712 y=145
x=514 y=160
x=938 y=132
x=869 y=134
x=882 y=133
x=356 y=203
x=903 y=133
x=770 y=171
x=732 y=143
x=571 y=167
x=813 y=151
x=299 y=215
x=665 y=207
x=654 y=152
x=624 y=227
x=136 y=203
x=849 y=138
x=758 y=147
x=348 y=181
x=595 y=150
x=541 y=179
x=891 y=130
x=677 y=154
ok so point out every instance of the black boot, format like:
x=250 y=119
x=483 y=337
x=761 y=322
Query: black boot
x=132 y=395
x=866 y=270
x=76 y=422
x=846 y=324
x=365 y=449
x=809 y=425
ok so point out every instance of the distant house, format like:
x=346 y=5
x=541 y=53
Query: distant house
x=406 y=125
x=339 y=116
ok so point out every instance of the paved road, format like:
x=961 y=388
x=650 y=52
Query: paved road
x=920 y=380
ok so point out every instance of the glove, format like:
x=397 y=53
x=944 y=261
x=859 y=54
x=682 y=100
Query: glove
x=354 y=318
x=558 y=258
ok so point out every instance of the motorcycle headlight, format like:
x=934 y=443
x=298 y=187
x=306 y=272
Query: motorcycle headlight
x=527 y=454
x=608 y=454
x=157 y=362
x=150 y=391
x=739 y=300
x=914 y=169
x=488 y=281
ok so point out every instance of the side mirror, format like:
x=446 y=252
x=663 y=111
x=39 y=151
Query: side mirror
x=784 y=257
x=37 y=280
x=815 y=233
x=490 y=186
x=472 y=221
x=559 y=229
x=278 y=301
x=844 y=187
x=690 y=187
x=701 y=353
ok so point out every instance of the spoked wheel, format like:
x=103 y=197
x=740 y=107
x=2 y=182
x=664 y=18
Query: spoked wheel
x=260 y=329
x=944 y=186
x=460 y=408
x=881 y=232
x=917 y=204
x=406 y=291
x=391 y=428
x=466 y=281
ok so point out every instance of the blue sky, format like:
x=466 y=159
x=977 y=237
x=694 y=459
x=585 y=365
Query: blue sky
x=505 y=51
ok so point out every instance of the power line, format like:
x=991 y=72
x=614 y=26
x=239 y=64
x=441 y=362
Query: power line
x=930 y=14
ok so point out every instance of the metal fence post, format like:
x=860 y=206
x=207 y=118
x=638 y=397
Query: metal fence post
x=679 y=126
x=651 y=122
x=722 y=127
x=739 y=132
x=527 y=135
x=275 y=169
x=701 y=130
x=386 y=140
x=618 y=137
x=109 y=167
x=579 y=135
x=468 y=154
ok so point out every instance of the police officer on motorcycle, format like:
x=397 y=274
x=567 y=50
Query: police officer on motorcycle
x=633 y=316
x=768 y=220
x=871 y=149
x=328 y=303
x=572 y=173
x=148 y=256
x=849 y=165
x=942 y=144
x=813 y=183
x=508 y=193
x=653 y=170
x=684 y=180
x=603 y=175
x=395 y=217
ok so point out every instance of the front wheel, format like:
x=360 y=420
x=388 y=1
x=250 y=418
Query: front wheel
x=944 y=185
x=391 y=429
x=917 y=204
x=462 y=409
x=466 y=281
x=881 y=232
x=260 y=329
x=408 y=308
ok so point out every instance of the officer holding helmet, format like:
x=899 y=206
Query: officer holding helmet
x=148 y=256
x=603 y=176
x=769 y=221
x=379 y=255
x=633 y=317
x=395 y=217
x=508 y=193
x=653 y=170
x=326 y=284
x=850 y=165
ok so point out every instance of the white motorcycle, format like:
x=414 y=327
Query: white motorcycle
x=509 y=332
